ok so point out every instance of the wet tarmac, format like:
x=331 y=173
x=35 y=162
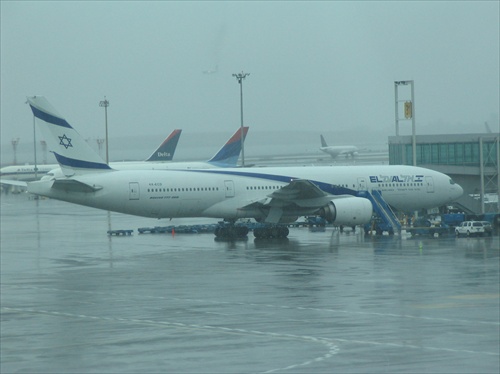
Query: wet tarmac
x=74 y=299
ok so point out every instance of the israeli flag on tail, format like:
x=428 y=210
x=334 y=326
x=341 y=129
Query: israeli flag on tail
x=72 y=152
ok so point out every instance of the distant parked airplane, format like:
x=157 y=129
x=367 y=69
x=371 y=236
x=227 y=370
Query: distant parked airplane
x=338 y=150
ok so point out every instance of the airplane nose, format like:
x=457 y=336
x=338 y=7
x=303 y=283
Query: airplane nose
x=458 y=191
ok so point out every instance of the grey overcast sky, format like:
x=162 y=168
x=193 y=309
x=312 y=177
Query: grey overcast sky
x=323 y=67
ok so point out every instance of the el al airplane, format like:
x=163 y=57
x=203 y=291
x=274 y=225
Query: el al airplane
x=164 y=152
x=269 y=195
x=337 y=150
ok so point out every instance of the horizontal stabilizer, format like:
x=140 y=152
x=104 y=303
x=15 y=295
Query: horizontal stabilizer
x=74 y=186
x=11 y=182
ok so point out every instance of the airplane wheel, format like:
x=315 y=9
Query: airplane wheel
x=285 y=232
x=271 y=232
x=242 y=231
x=231 y=232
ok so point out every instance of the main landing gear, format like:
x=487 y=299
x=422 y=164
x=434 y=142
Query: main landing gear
x=230 y=230
x=271 y=232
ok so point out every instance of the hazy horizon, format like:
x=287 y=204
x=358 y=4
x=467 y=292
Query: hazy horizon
x=315 y=67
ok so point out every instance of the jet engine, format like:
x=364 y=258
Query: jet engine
x=348 y=211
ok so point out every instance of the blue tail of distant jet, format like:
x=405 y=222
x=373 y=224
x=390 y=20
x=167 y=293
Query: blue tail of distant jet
x=72 y=152
x=166 y=150
x=323 y=141
x=230 y=152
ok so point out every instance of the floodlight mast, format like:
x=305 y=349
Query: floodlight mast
x=239 y=77
x=34 y=143
x=409 y=115
x=105 y=104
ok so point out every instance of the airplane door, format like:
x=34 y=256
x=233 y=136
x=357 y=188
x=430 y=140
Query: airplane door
x=362 y=184
x=133 y=191
x=229 y=186
x=430 y=184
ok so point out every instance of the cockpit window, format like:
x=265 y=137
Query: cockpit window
x=452 y=181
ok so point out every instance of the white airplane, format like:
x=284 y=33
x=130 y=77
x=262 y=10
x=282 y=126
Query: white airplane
x=269 y=195
x=338 y=150
x=26 y=172
x=164 y=152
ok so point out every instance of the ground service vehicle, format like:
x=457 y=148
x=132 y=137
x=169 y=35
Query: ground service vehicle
x=423 y=226
x=470 y=228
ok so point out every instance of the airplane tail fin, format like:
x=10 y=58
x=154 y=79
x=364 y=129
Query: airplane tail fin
x=166 y=150
x=72 y=152
x=230 y=152
x=323 y=142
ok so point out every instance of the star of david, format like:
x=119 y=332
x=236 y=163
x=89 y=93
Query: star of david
x=65 y=141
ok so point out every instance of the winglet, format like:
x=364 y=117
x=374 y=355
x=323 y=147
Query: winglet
x=73 y=153
x=228 y=155
x=166 y=150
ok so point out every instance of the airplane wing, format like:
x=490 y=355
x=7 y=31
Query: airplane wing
x=299 y=197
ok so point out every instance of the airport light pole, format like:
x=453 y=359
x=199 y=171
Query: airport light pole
x=34 y=146
x=44 y=151
x=14 y=143
x=409 y=109
x=105 y=104
x=239 y=77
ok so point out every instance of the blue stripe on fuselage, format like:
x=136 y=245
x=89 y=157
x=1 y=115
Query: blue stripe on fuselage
x=74 y=163
x=326 y=187
x=50 y=118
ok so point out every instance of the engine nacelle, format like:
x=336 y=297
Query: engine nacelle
x=348 y=211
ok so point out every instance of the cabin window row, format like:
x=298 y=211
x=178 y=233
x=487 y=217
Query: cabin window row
x=400 y=184
x=185 y=189
x=263 y=187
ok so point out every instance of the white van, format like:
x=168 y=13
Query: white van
x=470 y=228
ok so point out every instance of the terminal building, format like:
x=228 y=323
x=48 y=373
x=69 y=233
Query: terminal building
x=472 y=160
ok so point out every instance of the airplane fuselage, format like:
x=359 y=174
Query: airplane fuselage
x=49 y=171
x=26 y=172
x=221 y=193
